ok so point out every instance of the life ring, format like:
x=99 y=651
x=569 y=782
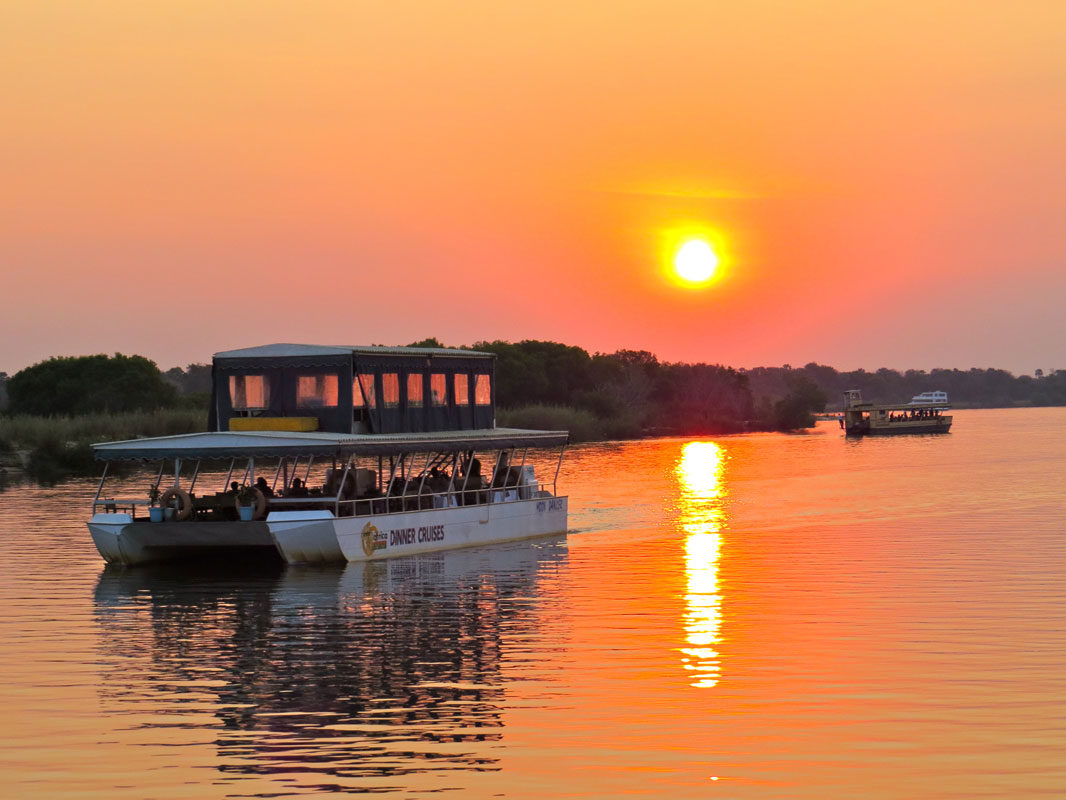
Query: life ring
x=184 y=501
x=260 y=505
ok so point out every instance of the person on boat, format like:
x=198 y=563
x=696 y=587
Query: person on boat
x=500 y=474
x=229 y=509
x=437 y=481
x=470 y=476
x=298 y=488
x=262 y=485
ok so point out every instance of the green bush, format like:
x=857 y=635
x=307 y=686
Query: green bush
x=52 y=460
x=88 y=385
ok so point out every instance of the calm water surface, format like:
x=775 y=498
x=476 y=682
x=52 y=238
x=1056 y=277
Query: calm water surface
x=760 y=616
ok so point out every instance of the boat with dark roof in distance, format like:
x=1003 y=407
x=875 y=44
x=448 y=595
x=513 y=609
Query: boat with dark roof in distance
x=924 y=413
x=326 y=454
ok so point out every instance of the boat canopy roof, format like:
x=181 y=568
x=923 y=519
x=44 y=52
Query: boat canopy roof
x=230 y=444
x=313 y=350
x=907 y=406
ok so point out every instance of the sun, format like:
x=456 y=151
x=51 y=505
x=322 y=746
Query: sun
x=695 y=261
x=694 y=255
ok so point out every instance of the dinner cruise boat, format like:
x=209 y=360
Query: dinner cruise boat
x=925 y=415
x=332 y=454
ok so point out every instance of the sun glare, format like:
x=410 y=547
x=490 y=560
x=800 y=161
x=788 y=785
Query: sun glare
x=695 y=261
x=694 y=255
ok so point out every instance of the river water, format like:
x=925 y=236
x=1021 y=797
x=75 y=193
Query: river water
x=757 y=616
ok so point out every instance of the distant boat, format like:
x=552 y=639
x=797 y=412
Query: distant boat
x=923 y=414
x=929 y=397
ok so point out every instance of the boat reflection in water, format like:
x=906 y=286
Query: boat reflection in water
x=328 y=678
x=699 y=472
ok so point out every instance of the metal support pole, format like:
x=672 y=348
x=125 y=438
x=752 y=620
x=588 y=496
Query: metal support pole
x=100 y=488
x=521 y=472
x=195 y=475
x=466 y=474
x=340 y=487
x=507 y=474
x=277 y=472
x=559 y=466
x=421 y=483
x=451 y=478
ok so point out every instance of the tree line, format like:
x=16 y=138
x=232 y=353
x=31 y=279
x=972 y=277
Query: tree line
x=972 y=388
x=625 y=393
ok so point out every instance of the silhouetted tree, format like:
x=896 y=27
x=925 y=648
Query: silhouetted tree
x=532 y=371
x=797 y=408
x=193 y=379
x=432 y=341
x=89 y=384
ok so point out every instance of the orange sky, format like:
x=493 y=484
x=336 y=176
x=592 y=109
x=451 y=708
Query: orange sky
x=185 y=178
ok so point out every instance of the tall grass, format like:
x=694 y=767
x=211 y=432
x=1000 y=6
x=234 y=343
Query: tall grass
x=24 y=432
x=58 y=447
x=584 y=426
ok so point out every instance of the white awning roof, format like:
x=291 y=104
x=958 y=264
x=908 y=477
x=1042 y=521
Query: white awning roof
x=244 y=444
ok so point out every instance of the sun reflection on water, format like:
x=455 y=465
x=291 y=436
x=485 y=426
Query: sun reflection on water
x=699 y=472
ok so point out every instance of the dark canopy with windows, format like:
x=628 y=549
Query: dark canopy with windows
x=353 y=389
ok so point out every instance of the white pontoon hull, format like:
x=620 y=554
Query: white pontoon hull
x=308 y=537
x=123 y=540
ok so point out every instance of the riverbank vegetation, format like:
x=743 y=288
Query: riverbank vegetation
x=50 y=448
x=56 y=408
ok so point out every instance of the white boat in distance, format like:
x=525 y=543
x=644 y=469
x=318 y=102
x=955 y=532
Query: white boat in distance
x=404 y=474
x=926 y=398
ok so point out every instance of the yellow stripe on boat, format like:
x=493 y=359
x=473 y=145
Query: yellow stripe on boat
x=297 y=424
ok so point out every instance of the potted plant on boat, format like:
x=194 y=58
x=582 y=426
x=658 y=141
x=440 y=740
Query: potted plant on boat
x=246 y=497
x=155 y=513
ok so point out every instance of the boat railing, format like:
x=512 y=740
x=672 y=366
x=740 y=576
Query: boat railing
x=410 y=486
x=418 y=499
x=119 y=504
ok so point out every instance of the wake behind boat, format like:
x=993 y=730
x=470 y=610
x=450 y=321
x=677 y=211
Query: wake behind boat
x=326 y=454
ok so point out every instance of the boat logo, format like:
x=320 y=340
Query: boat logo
x=373 y=539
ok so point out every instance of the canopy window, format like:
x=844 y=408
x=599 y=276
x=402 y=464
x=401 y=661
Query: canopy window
x=363 y=393
x=462 y=389
x=438 y=389
x=482 y=390
x=317 y=391
x=355 y=389
x=414 y=390
x=249 y=392
x=390 y=389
